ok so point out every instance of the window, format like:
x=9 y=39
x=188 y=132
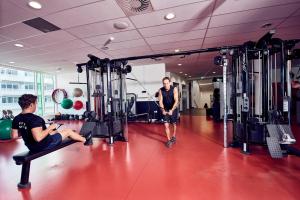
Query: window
x=9 y=86
x=15 y=82
x=10 y=99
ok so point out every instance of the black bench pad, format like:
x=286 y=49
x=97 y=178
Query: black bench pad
x=30 y=155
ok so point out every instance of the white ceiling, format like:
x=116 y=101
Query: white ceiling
x=87 y=24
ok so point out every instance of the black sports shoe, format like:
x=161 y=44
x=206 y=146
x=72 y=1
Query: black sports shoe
x=173 y=139
x=88 y=138
x=169 y=144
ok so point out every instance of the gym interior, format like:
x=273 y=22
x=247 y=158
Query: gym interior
x=97 y=68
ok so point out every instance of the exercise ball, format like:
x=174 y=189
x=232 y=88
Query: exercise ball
x=78 y=105
x=5 y=129
x=77 y=92
x=66 y=103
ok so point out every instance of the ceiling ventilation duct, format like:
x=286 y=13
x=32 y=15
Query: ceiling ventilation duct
x=135 y=7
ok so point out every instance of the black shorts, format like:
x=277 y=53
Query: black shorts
x=56 y=140
x=172 y=119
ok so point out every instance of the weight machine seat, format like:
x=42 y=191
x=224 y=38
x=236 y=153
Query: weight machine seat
x=31 y=155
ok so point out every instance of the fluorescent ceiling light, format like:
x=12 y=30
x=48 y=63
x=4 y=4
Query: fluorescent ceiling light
x=35 y=5
x=169 y=16
x=19 y=45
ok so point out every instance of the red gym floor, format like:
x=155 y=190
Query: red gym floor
x=197 y=167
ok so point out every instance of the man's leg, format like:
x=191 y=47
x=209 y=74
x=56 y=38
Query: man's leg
x=72 y=134
x=167 y=130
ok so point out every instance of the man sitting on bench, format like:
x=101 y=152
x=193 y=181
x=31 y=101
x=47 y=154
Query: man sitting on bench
x=32 y=128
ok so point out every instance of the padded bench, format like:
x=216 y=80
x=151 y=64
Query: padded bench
x=25 y=158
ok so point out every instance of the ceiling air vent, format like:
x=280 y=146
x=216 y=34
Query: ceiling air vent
x=41 y=25
x=135 y=7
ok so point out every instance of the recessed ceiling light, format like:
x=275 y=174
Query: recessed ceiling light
x=177 y=50
x=185 y=74
x=180 y=72
x=179 y=64
x=214 y=72
x=111 y=38
x=169 y=16
x=190 y=76
x=19 y=45
x=11 y=62
x=35 y=5
x=266 y=25
x=121 y=25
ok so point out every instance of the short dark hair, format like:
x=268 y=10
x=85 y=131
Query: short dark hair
x=26 y=99
x=166 y=78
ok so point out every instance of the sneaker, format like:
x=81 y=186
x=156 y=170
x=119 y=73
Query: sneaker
x=173 y=139
x=169 y=144
x=89 y=140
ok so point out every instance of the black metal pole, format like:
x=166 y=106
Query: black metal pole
x=179 y=53
x=88 y=88
x=264 y=88
x=110 y=109
x=233 y=97
x=245 y=107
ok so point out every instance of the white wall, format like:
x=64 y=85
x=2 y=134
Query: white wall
x=201 y=92
x=63 y=79
x=205 y=95
x=150 y=77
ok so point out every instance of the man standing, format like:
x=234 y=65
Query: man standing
x=168 y=101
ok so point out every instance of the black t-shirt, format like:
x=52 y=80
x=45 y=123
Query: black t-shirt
x=168 y=98
x=24 y=123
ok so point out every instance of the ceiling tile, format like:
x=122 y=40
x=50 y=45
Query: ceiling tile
x=176 y=27
x=136 y=51
x=291 y=21
x=16 y=55
x=19 y=31
x=64 y=46
x=242 y=28
x=119 y=37
x=176 y=37
x=49 y=38
x=9 y=46
x=99 y=28
x=125 y=44
x=177 y=45
x=253 y=15
x=234 y=39
x=4 y=39
x=10 y=13
x=51 y=6
x=186 y=12
x=230 y=6
x=288 y=31
x=290 y=36
x=297 y=13
x=159 y=4
x=91 y=13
